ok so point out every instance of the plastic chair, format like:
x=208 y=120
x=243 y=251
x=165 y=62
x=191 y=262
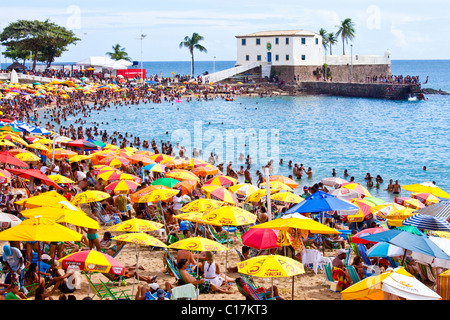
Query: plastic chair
x=186 y=291
x=353 y=274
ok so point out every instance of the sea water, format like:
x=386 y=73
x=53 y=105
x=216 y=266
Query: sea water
x=394 y=139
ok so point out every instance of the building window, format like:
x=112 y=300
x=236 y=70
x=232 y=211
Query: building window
x=277 y=57
x=243 y=42
x=247 y=57
x=287 y=57
x=303 y=40
x=258 y=57
x=276 y=40
x=303 y=57
x=317 y=40
x=258 y=42
x=287 y=40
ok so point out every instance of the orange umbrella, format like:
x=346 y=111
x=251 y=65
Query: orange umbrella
x=186 y=186
x=222 y=181
x=142 y=192
x=287 y=181
x=145 y=159
x=207 y=170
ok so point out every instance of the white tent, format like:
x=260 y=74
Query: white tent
x=119 y=64
x=96 y=62
x=408 y=287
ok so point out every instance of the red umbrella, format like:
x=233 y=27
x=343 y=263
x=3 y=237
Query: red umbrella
x=81 y=143
x=6 y=120
x=261 y=238
x=357 y=237
x=225 y=195
x=9 y=158
x=35 y=173
x=92 y=261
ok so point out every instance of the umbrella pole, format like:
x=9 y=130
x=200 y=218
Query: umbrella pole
x=137 y=270
x=293 y=287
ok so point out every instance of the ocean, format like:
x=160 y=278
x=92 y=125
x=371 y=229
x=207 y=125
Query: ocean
x=394 y=139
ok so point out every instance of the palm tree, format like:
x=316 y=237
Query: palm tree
x=324 y=36
x=346 y=31
x=331 y=39
x=193 y=43
x=118 y=53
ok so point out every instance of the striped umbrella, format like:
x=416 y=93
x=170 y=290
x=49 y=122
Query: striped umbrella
x=441 y=209
x=422 y=221
x=425 y=198
x=224 y=181
x=225 y=195
x=384 y=249
x=155 y=167
x=122 y=187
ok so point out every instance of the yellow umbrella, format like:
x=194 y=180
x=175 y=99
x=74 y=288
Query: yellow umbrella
x=198 y=244
x=358 y=188
x=208 y=188
x=271 y=266
x=63 y=215
x=286 y=223
x=28 y=157
x=256 y=196
x=158 y=195
x=196 y=217
x=384 y=209
x=426 y=187
x=7 y=143
x=277 y=185
x=44 y=141
x=287 y=181
x=202 y=205
x=60 y=179
x=89 y=196
x=286 y=197
x=230 y=216
x=136 y=225
x=243 y=189
x=78 y=158
x=38 y=146
x=51 y=198
x=181 y=174
x=16 y=139
x=39 y=229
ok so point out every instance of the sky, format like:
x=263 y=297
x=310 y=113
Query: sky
x=409 y=29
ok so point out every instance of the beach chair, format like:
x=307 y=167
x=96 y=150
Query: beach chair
x=353 y=274
x=114 y=294
x=253 y=293
x=362 y=252
x=221 y=238
x=427 y=271
x=104 y=220
x=184 y=292
x=333 y=284
x=443 y=286
x=98 y=289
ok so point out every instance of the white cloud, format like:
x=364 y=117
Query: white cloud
x=399 y=36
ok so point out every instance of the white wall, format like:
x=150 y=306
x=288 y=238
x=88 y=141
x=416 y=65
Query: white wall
x=295 y=49
x=356 y=60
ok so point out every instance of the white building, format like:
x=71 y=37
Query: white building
x=280 y=48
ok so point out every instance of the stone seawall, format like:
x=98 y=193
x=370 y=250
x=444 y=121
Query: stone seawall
x=360 y=90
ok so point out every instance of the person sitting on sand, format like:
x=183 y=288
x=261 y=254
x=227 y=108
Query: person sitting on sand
x=359 y=266
x=211 y=271
x=340 y=273
x=205 y=286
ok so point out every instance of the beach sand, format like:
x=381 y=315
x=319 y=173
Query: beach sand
x=307 y=286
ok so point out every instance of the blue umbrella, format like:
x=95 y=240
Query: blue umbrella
x=384 y=249
x=321 y=202
x=409 y=241
x=422 y=221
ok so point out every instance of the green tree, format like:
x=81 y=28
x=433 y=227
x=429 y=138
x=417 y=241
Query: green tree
x=323 y=33
x=118 y=53
x=46 y=40
x=193 y=43
x=17 y=54
x=332 y=40
x=346 y=32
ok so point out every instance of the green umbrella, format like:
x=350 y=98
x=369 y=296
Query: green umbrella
x=167 y=182
x=37 y=84
x=411 y=229
x=375 y=200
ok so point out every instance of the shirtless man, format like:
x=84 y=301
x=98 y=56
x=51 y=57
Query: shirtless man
x=247 y=175
x=390 y=186
x=396 y=188
x=66 y=169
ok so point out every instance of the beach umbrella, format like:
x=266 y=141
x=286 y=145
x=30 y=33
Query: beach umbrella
x=78 y=158
x=116 y=175
x=63 y=214
x=358 y=188
x=384 y=249
x=286 y=197
x=243 y=190
x=376 y=201
x=364 y=210
x=89 y=196
x=409 y=241
x=409 y=202
x=322 y=202
x=357 y=238
x=43 y=141
x=186 y=186
x=224 y=195
x=83 y=144
x=258 y=195
x=8 y=158
x=181 y=174
x=158 y=195
x=17 y=151
x=208 y=188
x=8 y=220
x=38 y=146
x=145 y=159
x=426 y=187
x=271 y=266
x=206 y=170
x=202 y=205
x=223 y=181
x=159 y=157
x=441 y=209
x=155 y=167
x=196 y=217
x=116 y=162
x=230 y=216
x=333 y=182
x=426 y=222
x=122 y=187
x=136 y=225
x=142 y=192
x=384 y=209
x=167 y=182
x=60 y=179
x=5 y=176
x=397 y=281
x=50 y=198
x=139 y=239
x=426 y=198
x=28 y=157
x=4 y=142
x=177 y=163
x=287 y=181
x=61 y=153
x=262 y=239
x=277 y=185
x=443 y=285
x=34 y=173
x=198 y=244
x=15 y=138
x=346 y=194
